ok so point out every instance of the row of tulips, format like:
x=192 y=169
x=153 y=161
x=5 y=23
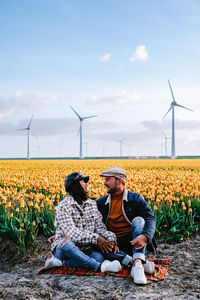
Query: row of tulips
x=31 y=190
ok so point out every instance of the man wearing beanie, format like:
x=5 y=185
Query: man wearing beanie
x=128 y=215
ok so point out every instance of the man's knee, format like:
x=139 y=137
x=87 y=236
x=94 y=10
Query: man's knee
x=137 y=226
x=138 y=221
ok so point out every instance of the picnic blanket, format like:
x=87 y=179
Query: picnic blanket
x=160 y=264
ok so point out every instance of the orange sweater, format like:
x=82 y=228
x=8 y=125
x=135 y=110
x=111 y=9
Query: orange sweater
x=116 y=220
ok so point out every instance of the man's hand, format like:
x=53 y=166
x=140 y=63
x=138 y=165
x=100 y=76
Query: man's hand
x=51 y=239
x=114 y=246
x=139 y=242
x=104 y=245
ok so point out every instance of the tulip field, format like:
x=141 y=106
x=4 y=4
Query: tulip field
x=30 y=191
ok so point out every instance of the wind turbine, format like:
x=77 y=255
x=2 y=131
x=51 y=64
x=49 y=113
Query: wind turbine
x=173 y=104
x=103 y=150
x=86 y=147
x=130 y=146
x=166 y=138
x=60 y=148
x=121 y=142
x=80 y=129
x=28 y=130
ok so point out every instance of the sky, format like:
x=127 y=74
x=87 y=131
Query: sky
x=110 y=58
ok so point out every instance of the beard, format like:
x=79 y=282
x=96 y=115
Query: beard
x=112 y=190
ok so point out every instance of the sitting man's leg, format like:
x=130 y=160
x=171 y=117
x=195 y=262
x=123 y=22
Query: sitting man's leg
x=137 y=271
x=111 y=265
x=137 y=229
x=139 y=254
x=121 y=256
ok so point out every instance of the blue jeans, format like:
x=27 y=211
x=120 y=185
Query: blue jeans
x=72 y=256
x=122 y=257
x=124 y=241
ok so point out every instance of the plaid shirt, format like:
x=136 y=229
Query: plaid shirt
x=82 y=224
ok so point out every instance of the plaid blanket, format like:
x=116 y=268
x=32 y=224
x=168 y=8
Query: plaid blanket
x=160 y=264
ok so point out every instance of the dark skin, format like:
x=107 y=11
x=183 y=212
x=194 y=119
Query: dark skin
x=104 y=245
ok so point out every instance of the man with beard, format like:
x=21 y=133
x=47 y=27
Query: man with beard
x=81 y=238
x=127 y=215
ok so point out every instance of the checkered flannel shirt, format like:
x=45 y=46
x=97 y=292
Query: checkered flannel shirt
x=82 y=224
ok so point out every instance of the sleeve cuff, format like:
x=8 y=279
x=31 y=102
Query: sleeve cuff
x=112 y=237
x=94 y=238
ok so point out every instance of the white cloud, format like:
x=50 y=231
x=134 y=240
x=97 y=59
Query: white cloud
x=42 y=127
x=10 y=104
x=120 y=97
x=140 y=54
x=6 y=112
x=105 y=57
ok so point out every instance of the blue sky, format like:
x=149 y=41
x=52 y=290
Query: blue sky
x=110 y=58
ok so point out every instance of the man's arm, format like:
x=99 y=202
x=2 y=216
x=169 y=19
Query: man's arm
x=139 y=242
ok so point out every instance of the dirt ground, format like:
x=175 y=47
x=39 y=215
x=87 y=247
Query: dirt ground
x=19 y=277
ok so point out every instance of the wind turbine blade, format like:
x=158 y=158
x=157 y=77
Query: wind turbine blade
x=75 y=112
x=22 y=129
x=183 y=107
x=171 y=90
x=167 y=112
x=89 y=117
x=30 y=123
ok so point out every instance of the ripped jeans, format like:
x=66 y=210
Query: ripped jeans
x=124 y=244
x=72 y=256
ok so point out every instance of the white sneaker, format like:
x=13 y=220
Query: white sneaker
x=111 y=266
x=137 y=272
x=149 y=267
x=52 y=262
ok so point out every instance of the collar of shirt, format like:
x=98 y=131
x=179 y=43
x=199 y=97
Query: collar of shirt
x=71 y=201
x=124 y=197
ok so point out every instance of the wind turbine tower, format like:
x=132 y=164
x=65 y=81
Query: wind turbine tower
x=130 y=147
x=166 y=138
x=121 y=143
x=173 y=104
x=86 y=147
x=28 y=130
x=80 y=129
